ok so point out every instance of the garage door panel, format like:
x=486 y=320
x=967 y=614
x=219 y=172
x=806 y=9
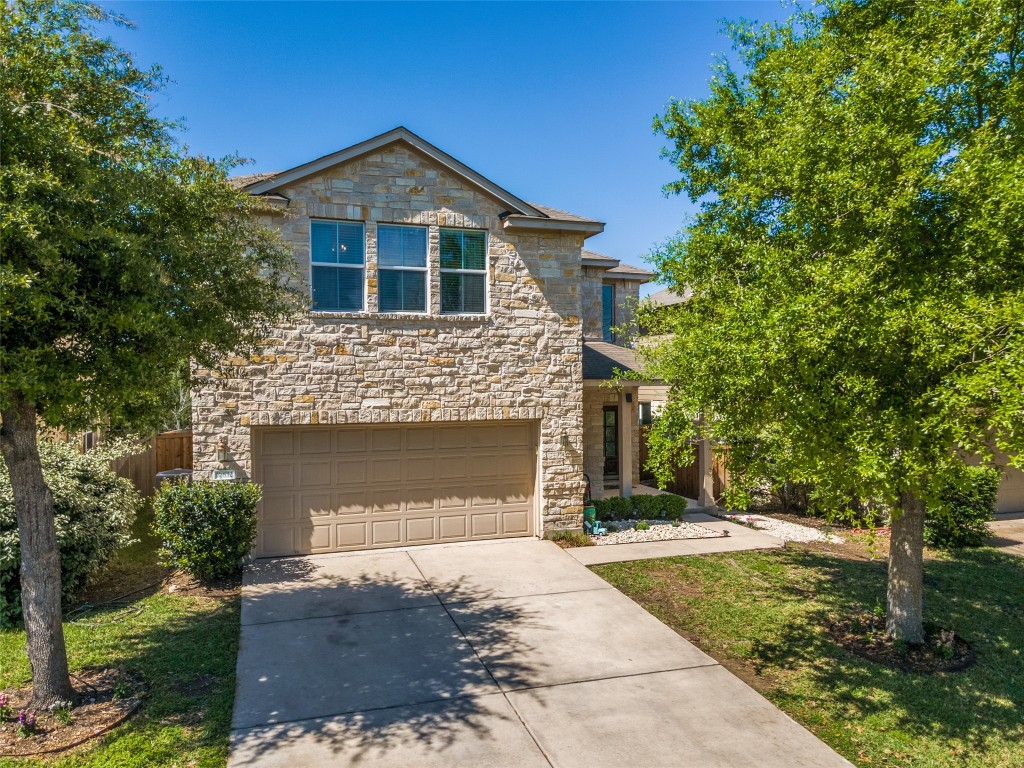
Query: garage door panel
x=420 y=529
x=278 y=475
x=386 y=439
x=451 y=467
x=320 y=538
x=452 y=498
x=452 y=437
x=277 y=443
x=484 y=466
x=345 y=488
x=515 y=523
x=351 y=503
x=350 y=440
x=386 y=532
x=419 y=468
x=350 y=472
x=485 y=437
x=420 y=439
x=275 y=540
x=386 y=500
x=420 y=499
x=315 y=473
x=453 y=527
x=350 y=535
x=386 y=470
x=515 y=493
x=317 y=504
x=484 y=524
x=515 y=466
x=517 y=436
x=279 y=508
x=487 y=495
x=312 y=441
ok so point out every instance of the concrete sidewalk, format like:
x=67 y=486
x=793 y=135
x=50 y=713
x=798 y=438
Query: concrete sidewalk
x=1008 y=533
x=489 y=654
x=740 y=538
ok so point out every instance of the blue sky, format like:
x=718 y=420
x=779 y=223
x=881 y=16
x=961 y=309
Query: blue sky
x=553 y=101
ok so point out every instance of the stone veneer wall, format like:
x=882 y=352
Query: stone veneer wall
x=627 y=293
x=594 y=401
x=521 y=361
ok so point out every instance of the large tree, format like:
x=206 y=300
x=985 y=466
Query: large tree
x=857 y=261
x=123 y=256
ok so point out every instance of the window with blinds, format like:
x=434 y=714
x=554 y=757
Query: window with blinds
x=337 y=266
x=463 y=271
x=401 y=268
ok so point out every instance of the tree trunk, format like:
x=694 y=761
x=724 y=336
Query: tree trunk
x=40 y=557
x=904 y=616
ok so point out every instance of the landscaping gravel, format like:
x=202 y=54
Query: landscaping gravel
x=660 y=530
x=782 y=529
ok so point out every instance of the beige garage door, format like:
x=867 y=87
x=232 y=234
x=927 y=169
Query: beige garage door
x=331 y=489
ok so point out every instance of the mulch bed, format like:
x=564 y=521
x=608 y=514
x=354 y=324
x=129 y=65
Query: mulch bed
x=108 y=698
x=864 y=635
x=180 y=583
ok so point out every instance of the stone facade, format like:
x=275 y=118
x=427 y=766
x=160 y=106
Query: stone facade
x=522 y=360
x=627 y=295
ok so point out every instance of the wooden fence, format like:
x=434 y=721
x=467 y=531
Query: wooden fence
x=168 y=450
x=686 y=481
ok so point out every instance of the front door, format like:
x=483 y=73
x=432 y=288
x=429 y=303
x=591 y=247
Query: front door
x=611 y=440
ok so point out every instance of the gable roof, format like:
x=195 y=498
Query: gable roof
x=520 y=213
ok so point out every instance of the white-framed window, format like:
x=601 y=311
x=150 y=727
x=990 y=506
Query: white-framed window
x=401 y=268
x=463 y=271
x=337 y=266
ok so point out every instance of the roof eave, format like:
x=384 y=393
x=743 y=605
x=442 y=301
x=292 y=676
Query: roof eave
x=378 y=142
x=516 y=222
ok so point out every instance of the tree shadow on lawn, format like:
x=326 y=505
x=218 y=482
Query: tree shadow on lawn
x=977 y=593
x=370 y=664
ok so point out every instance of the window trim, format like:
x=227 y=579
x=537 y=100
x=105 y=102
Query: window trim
x=486 y=272
x=362 y=266
x=425 y=269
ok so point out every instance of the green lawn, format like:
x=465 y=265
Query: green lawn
x=762 y=614
x=182 y=648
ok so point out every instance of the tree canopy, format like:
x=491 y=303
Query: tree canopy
x=123 y=257
x=857 y=262
x=123 y=254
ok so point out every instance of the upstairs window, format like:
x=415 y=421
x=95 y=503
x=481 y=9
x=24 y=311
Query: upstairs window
x=607 y=312
x=338 y=262
x=463 y=271
x=402 y=269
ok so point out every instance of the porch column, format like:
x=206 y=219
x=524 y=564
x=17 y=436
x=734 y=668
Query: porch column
x=627 y=423
x=707 y=477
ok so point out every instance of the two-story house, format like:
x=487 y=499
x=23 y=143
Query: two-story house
x=450 y=381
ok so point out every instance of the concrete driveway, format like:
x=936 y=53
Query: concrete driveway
x=485 y=654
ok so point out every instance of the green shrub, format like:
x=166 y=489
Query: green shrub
x=93 y=509
x=967 y=503
x=206 y=528
x=643 y=525
x=665 y=507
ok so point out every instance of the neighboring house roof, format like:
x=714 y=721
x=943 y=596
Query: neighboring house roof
x=521 y=215
x=666 y=298
x=601 y=359
x=614 y=267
